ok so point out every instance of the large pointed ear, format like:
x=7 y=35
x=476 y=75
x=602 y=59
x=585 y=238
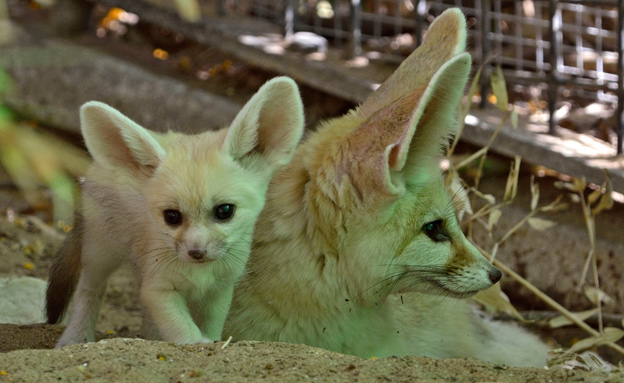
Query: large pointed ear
x=400 y=141
x=269 y=126
x=115 y=141
x=445 y=38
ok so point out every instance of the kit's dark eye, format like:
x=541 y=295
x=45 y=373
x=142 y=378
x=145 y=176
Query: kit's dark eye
x=224 y=212
x=172 y=217
x=436 y=231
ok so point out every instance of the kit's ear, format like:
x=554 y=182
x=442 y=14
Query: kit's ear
x=269 y=126
x=115 y=141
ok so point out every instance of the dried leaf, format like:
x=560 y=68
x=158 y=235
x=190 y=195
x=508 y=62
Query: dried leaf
x=584 y=344
x=574 y=198
x=580 y=184
x=511 y=188
x=534 y=193
x=541 y=224
x=471 y=92
x=573 y=364
x=606 y=201
x=556 y=205
x=563 y=185
x=588 y=360
x=514 y=119
x=189 y=10
x=561 y=320
x=593 y=294
x=554 y=208
x=594 y=362
x=610 y=335
x=495 y=298
x=488 y=197
x=499 y=88
x=493 y=219
x=595 y=195
x=577 y=185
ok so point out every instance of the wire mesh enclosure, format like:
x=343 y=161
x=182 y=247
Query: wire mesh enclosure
x=572 y=48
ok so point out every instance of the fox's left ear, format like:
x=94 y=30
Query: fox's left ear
x=445 y=38
x=433 y=122
x=269 y=126
x=402 y=139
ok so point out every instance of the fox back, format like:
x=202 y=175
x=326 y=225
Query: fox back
x=359 y=249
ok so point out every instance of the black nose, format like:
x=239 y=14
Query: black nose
x=197 y=254
x=495 y=275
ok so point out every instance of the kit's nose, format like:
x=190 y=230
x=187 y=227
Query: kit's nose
x=197 y=254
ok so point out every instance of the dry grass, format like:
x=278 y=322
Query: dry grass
x=489 y=214
x=38 y=161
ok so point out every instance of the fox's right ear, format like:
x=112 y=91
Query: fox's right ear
x=115 y=141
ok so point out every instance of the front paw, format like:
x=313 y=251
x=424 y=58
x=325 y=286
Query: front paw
x=70 y=339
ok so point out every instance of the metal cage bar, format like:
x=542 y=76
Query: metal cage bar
x=540 y=41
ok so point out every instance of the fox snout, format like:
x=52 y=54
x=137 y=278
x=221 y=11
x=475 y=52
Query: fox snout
x=495 y=275
x=200 y=253
x=199 y=245
x=197 y=254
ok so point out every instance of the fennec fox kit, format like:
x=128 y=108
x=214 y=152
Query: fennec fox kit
x=358 y=248
x=180 y=208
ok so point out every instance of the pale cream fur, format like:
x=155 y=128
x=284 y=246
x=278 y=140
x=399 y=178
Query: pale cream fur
x=187 y=270
x=344 y=256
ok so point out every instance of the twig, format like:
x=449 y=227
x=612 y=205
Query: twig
x=549 y=301
x=45 y=229
x=590 y=223
x=471 y=158
x=613 y=320
x=226 y=342
x=526 y=219
x=487 y=148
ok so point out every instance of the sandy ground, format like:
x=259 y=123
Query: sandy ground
x=145 y=361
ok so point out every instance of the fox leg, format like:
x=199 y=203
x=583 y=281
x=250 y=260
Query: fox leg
x=216 y=308
x=169 y=312
x=149 y=330
x=88 y=297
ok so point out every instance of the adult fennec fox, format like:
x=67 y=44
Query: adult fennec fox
x=358 y=248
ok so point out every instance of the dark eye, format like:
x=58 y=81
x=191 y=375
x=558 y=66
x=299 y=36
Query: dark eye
x=224 y=212
x=436 y=231
x=172 y=217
